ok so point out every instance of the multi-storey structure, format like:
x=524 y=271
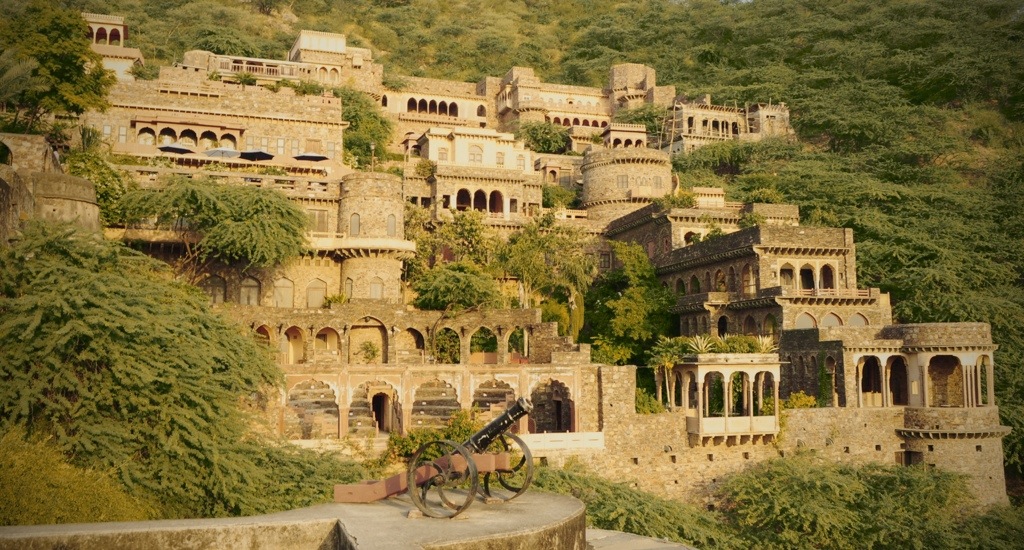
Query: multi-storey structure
x=911 y=393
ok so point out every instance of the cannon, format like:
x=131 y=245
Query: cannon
x=443 y=477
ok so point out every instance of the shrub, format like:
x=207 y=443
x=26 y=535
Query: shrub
x=37 y=486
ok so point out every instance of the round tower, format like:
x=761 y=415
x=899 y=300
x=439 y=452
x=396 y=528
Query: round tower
x=619 y=181
x=371 y=215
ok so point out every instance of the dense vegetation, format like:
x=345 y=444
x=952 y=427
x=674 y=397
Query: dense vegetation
x=802 y=502
x=131 y=374
x=909 y=114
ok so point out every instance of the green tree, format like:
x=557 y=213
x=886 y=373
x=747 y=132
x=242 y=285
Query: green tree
x=131 y=373
x=556 y=196
x=651 y=116
x=543 y=137
x=454 y=287
x=627 y=308
x=550 y=259
x=367 y=126
x=230 y=224
x=110 y=183
x=664 y=356
x=72 y=76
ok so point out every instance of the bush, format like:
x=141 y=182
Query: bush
x=800 y=400
x=37 y=486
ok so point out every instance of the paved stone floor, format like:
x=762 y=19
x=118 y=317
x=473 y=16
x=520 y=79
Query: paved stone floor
x=599 y=539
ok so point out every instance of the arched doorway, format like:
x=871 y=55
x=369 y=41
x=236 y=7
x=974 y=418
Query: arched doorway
x=898 y=381
x=296 y=349
x=552 y=407
x=483 y=347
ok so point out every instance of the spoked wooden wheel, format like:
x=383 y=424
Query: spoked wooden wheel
x=442 y=479
x=508 y=483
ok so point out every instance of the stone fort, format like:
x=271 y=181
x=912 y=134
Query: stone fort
x=895 y=393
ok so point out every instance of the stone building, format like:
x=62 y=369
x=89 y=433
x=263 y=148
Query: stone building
x=368 y=364
x=33 y=186
x=109 y=37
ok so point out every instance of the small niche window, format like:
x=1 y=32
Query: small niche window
x=353 y=225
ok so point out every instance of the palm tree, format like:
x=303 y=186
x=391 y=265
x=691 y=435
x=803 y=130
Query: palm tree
x=665 y=354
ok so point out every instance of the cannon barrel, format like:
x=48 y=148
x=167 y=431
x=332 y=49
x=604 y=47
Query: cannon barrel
x=479 y=441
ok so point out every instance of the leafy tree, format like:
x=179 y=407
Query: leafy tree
x=224 y=40
x=367 y=125
x=132 y=374
x=803 y=502
x=222 y=223
x=110 y=183
x=664 y=356
x=551 y=259
x=679 y=199
x=18 y=78
x=627 y=308
x=69 y=79
x=651 y=116
x=556 y=196
x=543 y=137
x=455 y=287
x=465 y=238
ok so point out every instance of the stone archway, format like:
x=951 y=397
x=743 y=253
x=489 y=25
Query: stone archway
x=553 y=407
x=367 y=342
x=374 y=408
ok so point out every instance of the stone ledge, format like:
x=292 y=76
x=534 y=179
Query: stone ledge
x=535 y=520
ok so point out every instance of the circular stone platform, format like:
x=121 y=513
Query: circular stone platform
x=534 y=520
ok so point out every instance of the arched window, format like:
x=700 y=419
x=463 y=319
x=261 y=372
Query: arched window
x=421 y=107
x=723 y=326
x=432 y=107
x=462 y=200
x=283 y=293
x=521 y=162
x=694 y=285
x=168 y=136
x=315 y=294
x=804 y=320
x=786 y=275
x=227 y=141
x=499 y=159
x=250 y=295
x=442 y=108
x=376 y=288
x=680 y=286
x=831 y=320
x=828 y=279
x=353 y=225
x=476 y=154
x=392 y=225
x=411 y=106
x=453 y=109
x=481 y=111
x=348 y=288
x=480 y=201
x=858 y=320
x=442 y=154
x=146 y=137
x=496 y=205
x=807 y=277
x=215 y=287
x=384 y=101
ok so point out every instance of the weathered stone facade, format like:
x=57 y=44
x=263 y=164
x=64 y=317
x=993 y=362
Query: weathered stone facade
x=369 y=363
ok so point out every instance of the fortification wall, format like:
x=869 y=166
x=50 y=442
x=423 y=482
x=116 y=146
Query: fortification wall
x=66 y=198
x=655 y=452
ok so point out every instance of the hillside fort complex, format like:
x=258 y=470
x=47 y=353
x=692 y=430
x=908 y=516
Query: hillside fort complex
x=910 y=394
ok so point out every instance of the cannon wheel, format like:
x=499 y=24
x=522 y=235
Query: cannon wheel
x=447 y=477
x=508 y=484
